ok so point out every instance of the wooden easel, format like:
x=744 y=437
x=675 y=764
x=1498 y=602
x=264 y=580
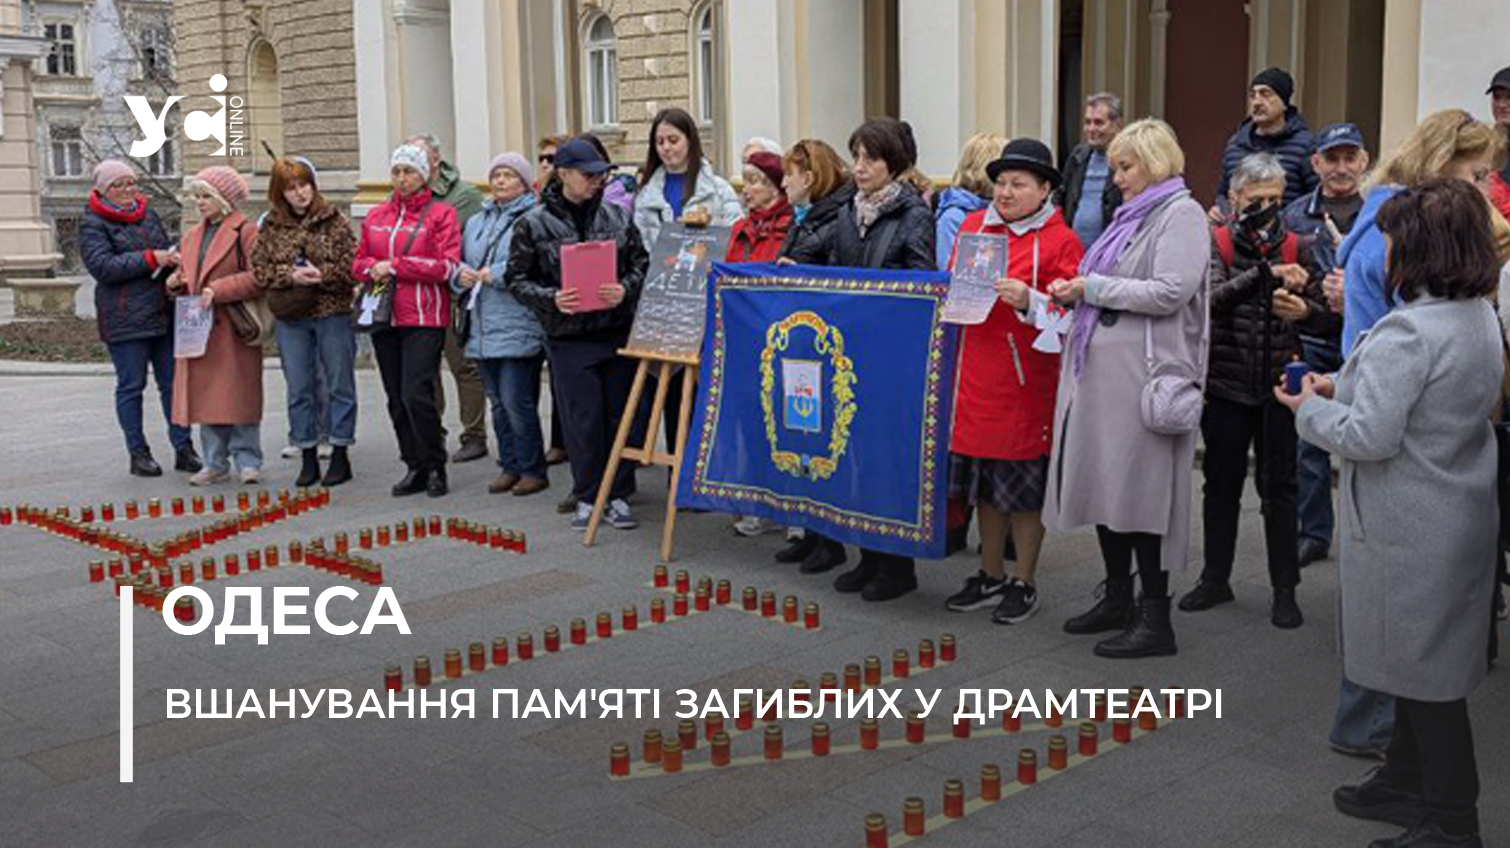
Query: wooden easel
x=648 y=455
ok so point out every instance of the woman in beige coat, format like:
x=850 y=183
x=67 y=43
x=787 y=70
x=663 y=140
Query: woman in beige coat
x=222 y=390
x=1144 y=281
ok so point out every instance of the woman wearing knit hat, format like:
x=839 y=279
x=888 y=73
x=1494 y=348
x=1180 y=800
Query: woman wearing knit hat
x=758 y=236
x=303 y=262
x=222 y=390
x=413 y=244
x=126 y=250
x=505 y=338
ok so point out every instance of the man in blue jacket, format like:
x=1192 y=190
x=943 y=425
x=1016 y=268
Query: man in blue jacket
x=1274 y=126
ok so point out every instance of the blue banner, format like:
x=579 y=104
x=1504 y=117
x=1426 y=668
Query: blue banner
x=824 y=402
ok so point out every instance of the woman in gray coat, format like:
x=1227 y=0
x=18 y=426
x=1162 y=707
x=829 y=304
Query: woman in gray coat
x=1409 y=416
x=1143 y=282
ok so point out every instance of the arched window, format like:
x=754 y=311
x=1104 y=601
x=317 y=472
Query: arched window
x=705 y=62
x=265 y=103
x=602 y=80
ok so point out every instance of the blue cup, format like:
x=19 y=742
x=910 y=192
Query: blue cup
x=1294 y=371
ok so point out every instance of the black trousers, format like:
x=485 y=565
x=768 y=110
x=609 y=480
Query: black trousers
x=1228 y=429
x=409 y=361
x=1118 y=550
x=592 y=383
x=1431 y=752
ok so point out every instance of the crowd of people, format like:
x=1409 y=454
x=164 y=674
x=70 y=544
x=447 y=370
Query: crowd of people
x=1190 y=326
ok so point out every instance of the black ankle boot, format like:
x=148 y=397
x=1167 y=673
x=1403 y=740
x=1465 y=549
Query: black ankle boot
x=797 y=549
x=186 y=460
x=1112 y=612
x=896 y=577
x=438 y=486
x=309 y=470
x=339 y=470
x=413 y=483
x=826 y=555
x=143 y=465
x=855 y=579
x=1149 y=635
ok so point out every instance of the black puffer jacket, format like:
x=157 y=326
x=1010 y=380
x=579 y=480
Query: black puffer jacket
x=534 y=269
x=1068 y=197
x=901 y=238
x=807 y=243
x=1244 y=327
x=129 y=304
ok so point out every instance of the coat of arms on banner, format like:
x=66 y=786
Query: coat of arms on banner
x=824 y=402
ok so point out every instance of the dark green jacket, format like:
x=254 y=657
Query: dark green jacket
x=451 y=189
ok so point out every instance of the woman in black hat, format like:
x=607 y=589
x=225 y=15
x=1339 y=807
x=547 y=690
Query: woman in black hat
x=1009 y=377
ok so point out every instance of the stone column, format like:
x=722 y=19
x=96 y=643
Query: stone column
x=937 y=41
x=26 y=244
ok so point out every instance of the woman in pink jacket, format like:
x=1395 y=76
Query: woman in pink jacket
x=412 y=244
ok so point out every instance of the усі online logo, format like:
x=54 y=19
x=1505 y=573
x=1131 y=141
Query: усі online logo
x=198 y=125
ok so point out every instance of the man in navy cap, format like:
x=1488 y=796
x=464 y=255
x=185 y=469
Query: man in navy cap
x=1321 y=218
x=1274 y=126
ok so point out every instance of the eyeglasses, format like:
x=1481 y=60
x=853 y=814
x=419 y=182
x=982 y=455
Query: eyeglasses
x=547 y=158
x=127 y=182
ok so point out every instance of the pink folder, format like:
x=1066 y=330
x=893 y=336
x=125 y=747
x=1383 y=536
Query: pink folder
x=587 y=266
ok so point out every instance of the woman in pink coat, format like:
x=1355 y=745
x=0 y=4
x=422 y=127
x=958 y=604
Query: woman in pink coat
x=222 y=390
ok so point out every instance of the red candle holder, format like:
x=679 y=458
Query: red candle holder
x=870 y=734
x=232 y=565
x=578 y=632
x=421 y=530
x=801 y=691
x=744 y=715
x=954 y=799
x=901 y=665
x=679 y=605
x=914 y=814
x=154 y=508
x=552 y=639
x=712 y=725
x=1177 y=706
x=132 y=510
x=295 y=552
x=243 y=502
x=421 y=671
x=660 y=578
x=1088 y=739
x=117 y=568
x=683 y=582
x=851 y=678
x=477 y=656
x=810 y=616
x=6 y=516
x=217 y=504
x=1122 y=730
x=671 y=757
x=1011 y=722
x=500 y=651
x=915 y=728
x=343 y=543
x=618 y=760
x=723 y=593
x=434 y=525
x=107 y=513
x=749 y=599
x=1054 y=718
x=264 y=497
x=705 y=583
x=790 y=609
x=820 y=740
x=96 y=572
x=720 y=743
x=185 y=573
x=1098 y=708
x=961 y=727
x=702 y=601
x=990 y=782
x=254 y=560
x=401 y=533
x=947 y=651
x=207 y=568
x=605 y=626
x=453 y=663
x=657 y=611
x=773 y=743
x=524 y=644
x=630 y=619
x=872 y=671
x=165 y=577
x=686 y=734
x=652 y=746
x=183 y=610
x=135 y=562
x=1027 y=767
x=1059 y=752
x=270 y=556
x=178 y=506
x=364 y=538
x=925 y=654
x=768 y=604
x=875 y=831
x=86 y=514
x=393 y=678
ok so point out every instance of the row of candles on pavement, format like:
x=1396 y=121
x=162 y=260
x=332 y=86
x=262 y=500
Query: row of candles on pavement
x=722 y=594
x=668 y=752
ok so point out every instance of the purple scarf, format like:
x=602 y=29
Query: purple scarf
x=1104 y=254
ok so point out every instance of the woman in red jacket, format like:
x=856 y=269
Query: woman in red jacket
x=1004 y=405
x=412 y=242
x=758 y=236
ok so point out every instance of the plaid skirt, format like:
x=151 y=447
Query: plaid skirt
x=1007 y=485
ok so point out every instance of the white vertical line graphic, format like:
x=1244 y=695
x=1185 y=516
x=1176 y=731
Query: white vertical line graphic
x=127 y=686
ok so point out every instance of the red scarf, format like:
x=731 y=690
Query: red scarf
x=103 y=208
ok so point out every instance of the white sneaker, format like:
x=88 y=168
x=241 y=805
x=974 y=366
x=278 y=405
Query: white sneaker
x=583 y=516
x=208 y=476
x=290 y=452
x=753 y=526
x=325 y=450
x=251 y=476
x=619 y=516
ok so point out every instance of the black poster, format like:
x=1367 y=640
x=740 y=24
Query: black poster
x=669 y=320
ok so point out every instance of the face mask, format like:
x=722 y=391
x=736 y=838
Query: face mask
x=1257 y=217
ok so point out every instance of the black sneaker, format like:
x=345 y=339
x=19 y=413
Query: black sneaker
x=1284 y=613
x=1429 y=834
x=980 y=591
x=1018 y=603
x=1206 y=595
x=1377 y=799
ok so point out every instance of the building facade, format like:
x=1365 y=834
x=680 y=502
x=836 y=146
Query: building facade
x=26 y=244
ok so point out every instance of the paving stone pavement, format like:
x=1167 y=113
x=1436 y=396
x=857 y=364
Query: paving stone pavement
x=1260 y=776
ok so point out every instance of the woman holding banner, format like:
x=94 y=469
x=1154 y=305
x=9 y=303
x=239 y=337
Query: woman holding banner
x=1119 y=461
x=1007 y=382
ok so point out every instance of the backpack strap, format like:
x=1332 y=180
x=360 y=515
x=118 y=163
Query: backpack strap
x=1289 y=249
x=1224 y=246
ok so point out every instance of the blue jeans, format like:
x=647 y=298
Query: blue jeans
x=1365 y=719
x=131 y=362
x=513 y=387
x=310 y=348
x=1313 y=465
x=221 y=441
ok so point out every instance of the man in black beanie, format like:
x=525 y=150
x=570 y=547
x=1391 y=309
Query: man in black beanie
x=1274 y=126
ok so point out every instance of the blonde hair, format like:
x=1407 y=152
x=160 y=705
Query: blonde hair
x=1153 y=144
x=1443 y=138
x=199 y=188
x=979 y=151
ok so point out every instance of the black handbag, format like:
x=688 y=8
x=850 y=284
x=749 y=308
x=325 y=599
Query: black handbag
x=380 y=317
